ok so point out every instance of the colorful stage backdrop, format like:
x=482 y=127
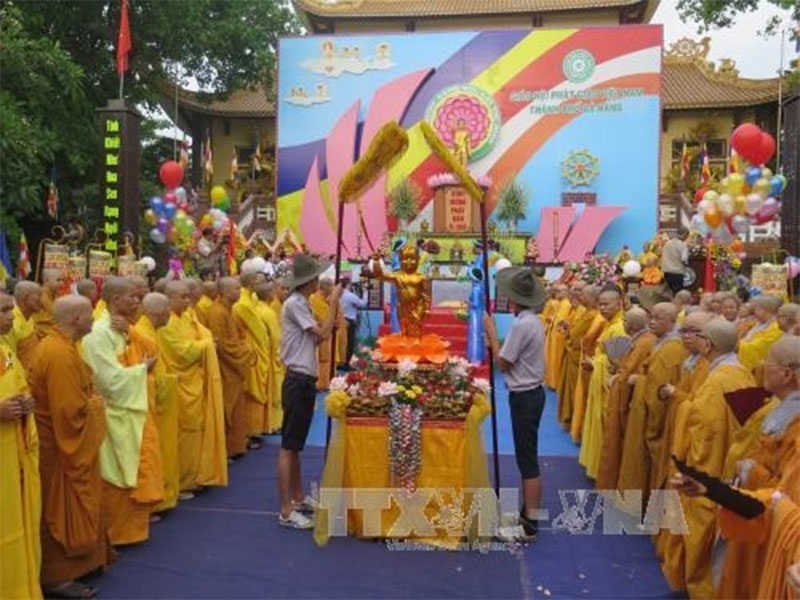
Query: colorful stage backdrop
x=574 y=114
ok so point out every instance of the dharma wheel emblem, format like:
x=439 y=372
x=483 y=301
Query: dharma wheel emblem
x=578 y=66
x=580 y=167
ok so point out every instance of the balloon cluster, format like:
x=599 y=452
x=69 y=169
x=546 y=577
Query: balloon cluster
x=741 y=199
x=220 y=199
x=170 y=215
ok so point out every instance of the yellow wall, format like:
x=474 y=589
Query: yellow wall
x=550 y=20
x=242 y=132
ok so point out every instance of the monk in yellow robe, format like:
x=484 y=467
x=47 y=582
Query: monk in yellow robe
x=580 y=398
x=188 y=351
x=549 y=309
x=755 y=345
x=20 y=546
x=130 y=457
x=70 y=419
x=265 y=292
x=22 y=338
x=554 y=352
x=162 y=386
x=257 y=383
x=610 y=307
x=236 y=358
x=683 y=300
x=321 y=309
x=619 y=392
x=578 y=322
x=52 y=287
x=210 y=294
x=710 y=429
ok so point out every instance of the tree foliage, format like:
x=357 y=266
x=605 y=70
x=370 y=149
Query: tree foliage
x=58 y=65
x=723 y=13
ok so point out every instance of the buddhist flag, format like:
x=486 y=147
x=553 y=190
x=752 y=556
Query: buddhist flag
x=705 y=168
x=684 y=162
x=231 y=250
x=124 y=40
x=208 y=159
x=183 y=156
x=257 y=155
x=23 y=262
x=234 y=165
x=52 y=201
x=733 y=162
x=5 y=259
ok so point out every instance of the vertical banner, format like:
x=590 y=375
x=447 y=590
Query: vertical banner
x=56 y=256
x=119 y=178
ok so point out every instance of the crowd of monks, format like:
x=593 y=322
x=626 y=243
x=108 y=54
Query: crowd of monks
x=116 y=404
x=711 y=381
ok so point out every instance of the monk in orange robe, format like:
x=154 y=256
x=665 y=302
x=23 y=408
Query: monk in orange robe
x=265 y=294
x=235 y=360
x=578 y=321
x=711 y=427
x=52 y=287
x=755 y=345
x=188 y=351
x=22 y=338
x=210 y=293
x=642 y=341
x=554 y=353
x=70 y=419
x=162 y=386
x=588 y=346
x=130 y=458
x=320 y=307
x=20 y=517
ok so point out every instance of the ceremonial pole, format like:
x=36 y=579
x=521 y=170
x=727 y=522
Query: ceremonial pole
x=487 y=297
x=337 y=267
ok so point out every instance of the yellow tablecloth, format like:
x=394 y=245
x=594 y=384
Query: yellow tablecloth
x=453 y=458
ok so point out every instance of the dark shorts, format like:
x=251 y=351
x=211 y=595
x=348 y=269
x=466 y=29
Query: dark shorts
x=674 y=281
x=526 y=412
x=299 y=395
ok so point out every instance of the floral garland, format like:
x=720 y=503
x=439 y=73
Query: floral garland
x=405 y=443
x=599 y=269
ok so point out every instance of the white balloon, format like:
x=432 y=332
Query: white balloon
x=703 y=206
x=502 y=263
x=754 y=203
x=740 y=224
x=725 y=204
x=632 y=268
x=149 y=262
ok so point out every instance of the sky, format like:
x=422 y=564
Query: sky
x=756 y=57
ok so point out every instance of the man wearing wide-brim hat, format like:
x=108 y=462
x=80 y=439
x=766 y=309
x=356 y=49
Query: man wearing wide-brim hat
x=300 y=335
x=521 y=360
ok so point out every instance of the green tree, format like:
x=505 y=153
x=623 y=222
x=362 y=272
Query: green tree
x=511 y=204
x=723 y=13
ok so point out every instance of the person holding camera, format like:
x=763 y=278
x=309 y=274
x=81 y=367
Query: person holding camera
x=351 y=303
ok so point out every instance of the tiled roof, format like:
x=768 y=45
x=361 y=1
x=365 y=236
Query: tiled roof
x=691 y=81
x=241 y=103
x=432 y=8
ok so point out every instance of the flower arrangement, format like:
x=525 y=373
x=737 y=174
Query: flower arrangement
x=599 y=269
x=406 y=393
x=726 y=265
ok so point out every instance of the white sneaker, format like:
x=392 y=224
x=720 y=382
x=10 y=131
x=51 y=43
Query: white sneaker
x=295 y=520
x=308 y=505
x=510 y=533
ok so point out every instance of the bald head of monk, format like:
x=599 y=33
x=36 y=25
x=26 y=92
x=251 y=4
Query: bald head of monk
x=6 y=313
x=609 y=303
x=692 y=327
x=73 y=316
x=210 y=289
x=53 y=280
x=766 y=307
x=28 y=296
x=180 y=298
x=155 y=307
x=782 y=366
x=787 y=316
x=683 y=298
x=119 y=294
x=589 y=295
x=662 y=318
x=718 y=337
x=88 y=289
x=635 y=320
x=230 y=290
x=195 y=288
x=160 y=285
x=265 y=291
x=281 y=291
x=141 y=287
x=251 y=279
x=729 y=306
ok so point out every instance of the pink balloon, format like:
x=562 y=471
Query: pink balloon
x=793 y=267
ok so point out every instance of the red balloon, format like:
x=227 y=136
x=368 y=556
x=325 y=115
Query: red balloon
x=746 y=139
x=765 y=150
x=169 y=197
x=171 y=174
x=698 y=195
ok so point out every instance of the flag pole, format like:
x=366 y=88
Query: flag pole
x=780 y=107
x=337 y=266
x=121 y=84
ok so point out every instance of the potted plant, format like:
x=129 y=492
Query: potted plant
x=512 y=201
x=404 y=202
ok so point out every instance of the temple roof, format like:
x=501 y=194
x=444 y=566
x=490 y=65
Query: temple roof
x=241 y=103
x=691 y=81
x=437 y=8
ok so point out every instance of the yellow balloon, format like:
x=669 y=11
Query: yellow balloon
x=740 y=204
x=766 y=173
x=218 y=194
x=762 y=187
x=713 y=217
x=735 y=183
